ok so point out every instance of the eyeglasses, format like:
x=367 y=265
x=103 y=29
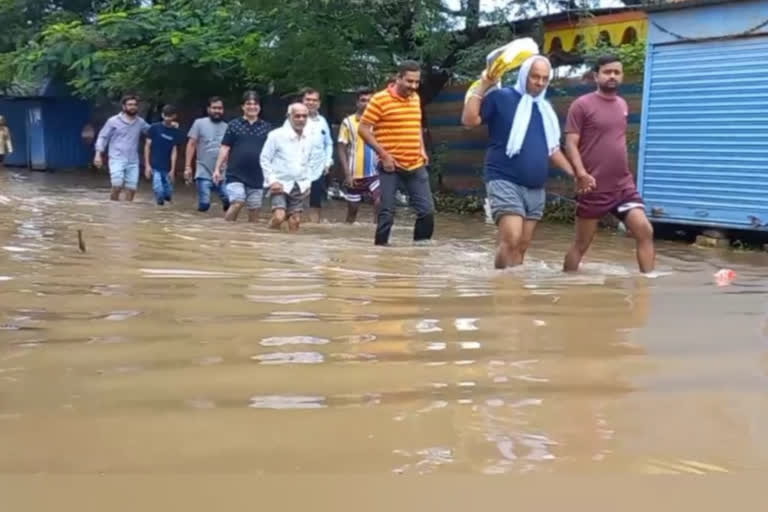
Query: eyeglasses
x=300 y=116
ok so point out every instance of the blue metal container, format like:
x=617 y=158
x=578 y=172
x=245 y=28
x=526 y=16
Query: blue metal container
x=703 y=155
x=47 y=130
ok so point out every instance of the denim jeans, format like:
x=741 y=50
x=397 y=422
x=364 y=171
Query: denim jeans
x=204 y=188
x=419 y=196
x=162 y=186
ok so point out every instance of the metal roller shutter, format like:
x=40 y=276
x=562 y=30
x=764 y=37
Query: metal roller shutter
x=704 y=144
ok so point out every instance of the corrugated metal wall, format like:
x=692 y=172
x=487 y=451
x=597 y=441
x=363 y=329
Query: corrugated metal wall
x=704 y=150
x=55 y=141
x=461 y=163
x=36 y=154
x=63 y=123
x=15 y=113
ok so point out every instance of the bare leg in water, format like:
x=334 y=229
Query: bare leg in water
x=585 y=233
x=234 y=210
x=352 y=209
x=278 y=217
x=514 y=238
x=638 y=225
x=293 y=222
x=642 y=231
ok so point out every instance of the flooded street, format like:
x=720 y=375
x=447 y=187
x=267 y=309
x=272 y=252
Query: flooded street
x=179 y=343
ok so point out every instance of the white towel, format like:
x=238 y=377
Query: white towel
x=525 y=108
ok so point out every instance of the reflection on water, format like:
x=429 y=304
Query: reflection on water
x=180 y=343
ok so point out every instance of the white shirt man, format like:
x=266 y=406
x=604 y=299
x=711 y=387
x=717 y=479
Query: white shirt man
x=292 y=158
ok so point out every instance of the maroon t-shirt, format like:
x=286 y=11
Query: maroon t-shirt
x=602 y=126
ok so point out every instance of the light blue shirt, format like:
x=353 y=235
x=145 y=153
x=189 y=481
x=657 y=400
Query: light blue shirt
x=122 y=138
x=319 y=124
x=289 y=158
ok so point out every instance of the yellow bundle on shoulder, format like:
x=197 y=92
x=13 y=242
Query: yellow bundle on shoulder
x=502 y=60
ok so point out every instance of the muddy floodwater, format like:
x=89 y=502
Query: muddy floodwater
x=179 y=343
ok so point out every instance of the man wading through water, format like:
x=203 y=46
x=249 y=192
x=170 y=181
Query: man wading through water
x=317 y=123
x=241 y=149
x=204 y=142
x=358 y=160
x=121 y=133
x=293 y=156
x=596 y=141
x=524 y=138
x=391 y=125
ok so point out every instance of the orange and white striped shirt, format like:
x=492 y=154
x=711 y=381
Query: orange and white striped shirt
x=396 y=125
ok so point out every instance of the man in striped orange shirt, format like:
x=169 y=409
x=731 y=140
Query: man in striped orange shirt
x=391 y=125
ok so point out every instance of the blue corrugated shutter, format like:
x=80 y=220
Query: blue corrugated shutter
x=36 y=137
x=704 y=148
x=65 y=119
x=15 y=113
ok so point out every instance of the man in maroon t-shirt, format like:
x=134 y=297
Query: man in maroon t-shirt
x=596 y=143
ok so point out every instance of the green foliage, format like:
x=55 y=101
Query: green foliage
x=451 y=203
x=560 y=211
x=22 y=19
x=328 y=44
x=170 y=50
x=471 y=60
x=632 y=55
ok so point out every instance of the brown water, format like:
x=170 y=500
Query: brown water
x=181 y=344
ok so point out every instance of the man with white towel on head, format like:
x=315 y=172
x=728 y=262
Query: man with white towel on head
x=524 y=138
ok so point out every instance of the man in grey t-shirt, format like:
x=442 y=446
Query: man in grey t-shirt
x=204 y=141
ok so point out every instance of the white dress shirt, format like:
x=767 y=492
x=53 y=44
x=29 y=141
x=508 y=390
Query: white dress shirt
x=289 y=158
x=319 y=124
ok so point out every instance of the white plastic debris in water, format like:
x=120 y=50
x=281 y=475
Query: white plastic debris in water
x=487 y=208
x=287 y=402
x=184 y=273
x=465 y=324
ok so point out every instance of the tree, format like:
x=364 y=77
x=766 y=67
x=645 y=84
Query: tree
x=168 y=51
x=22 y=19
x=355 y=42
x=176 y=49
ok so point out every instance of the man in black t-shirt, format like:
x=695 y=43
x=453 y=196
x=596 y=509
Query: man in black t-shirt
x=241 y=149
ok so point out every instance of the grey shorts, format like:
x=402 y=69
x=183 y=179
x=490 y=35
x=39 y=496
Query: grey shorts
x=291 y=203
x=239 y=192
x=507 y=198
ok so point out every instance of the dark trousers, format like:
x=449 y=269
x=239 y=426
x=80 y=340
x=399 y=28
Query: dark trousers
x=420 y=199
x=318 y=192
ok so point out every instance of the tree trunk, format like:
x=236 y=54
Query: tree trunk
x=472 y=13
